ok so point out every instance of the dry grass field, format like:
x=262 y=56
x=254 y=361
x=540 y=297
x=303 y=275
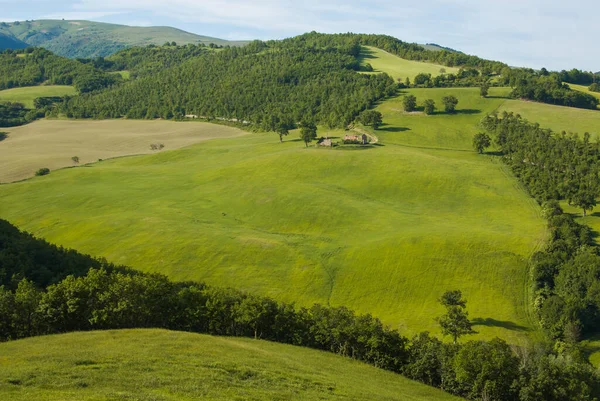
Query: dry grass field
x=52 y=143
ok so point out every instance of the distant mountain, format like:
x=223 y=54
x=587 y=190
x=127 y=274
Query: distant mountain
x=10 y=42
x=85 y=39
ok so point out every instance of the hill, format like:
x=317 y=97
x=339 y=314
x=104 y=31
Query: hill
x=9 y=42
x=86 y=39
x=167 y=365
x=280 y=220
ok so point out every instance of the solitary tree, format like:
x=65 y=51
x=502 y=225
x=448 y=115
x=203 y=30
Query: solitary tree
x=481 y=142
x=456 y=321
x=484 y=90
x=450 y=103
x=429 y=106
x=75 y=159
x=308 y=132
x=410 y=103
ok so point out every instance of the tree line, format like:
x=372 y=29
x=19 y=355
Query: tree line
x=543 y=86
x=105 y=297
x=554 y=167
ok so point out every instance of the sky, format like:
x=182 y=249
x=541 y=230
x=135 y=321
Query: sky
x=555 y=34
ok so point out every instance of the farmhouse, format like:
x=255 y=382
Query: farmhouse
x=362 y=139
x=325 y=142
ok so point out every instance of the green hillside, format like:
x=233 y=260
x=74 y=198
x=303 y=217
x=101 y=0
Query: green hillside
x=384 y=230
x=166 y=365
x=399 y=68
x=10 y=42
x=558 y=118
x=85 y=39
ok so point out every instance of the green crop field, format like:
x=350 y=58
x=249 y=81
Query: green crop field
x=26 y=95
x=558 y=118
x=166 y=365
x=397 y=67
x=52 y=143
x=384 y=230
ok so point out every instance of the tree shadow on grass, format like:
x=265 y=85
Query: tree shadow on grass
x=393 y=129
x=467 y=111
x=489 y=322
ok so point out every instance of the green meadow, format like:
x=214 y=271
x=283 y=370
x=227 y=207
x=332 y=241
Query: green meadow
x=399 y=68
x=558 y=118
x=27 y=95
x=164 y=365
x=384 y=230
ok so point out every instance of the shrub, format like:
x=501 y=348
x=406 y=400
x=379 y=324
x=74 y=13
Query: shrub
x=42 y=171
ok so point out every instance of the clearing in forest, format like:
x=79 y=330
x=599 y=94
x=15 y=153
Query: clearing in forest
x=397 y=67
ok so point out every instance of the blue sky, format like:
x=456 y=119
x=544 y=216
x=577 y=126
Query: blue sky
x=535 y=33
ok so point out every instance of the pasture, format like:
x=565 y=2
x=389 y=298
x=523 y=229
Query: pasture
x=557 y=118
x=27 y=94
x=166 y=365
x=52 y=143
x=399 y=68
x=384 y=230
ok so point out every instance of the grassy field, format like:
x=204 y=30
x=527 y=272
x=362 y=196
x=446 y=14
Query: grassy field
x=385 y=230
x=164 y=365
x=26 y=95
x=397 y=67
x=52 y=143
x=558 y=118
x=440 y=130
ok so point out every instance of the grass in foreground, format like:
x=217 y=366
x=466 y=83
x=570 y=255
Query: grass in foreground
x=52 y=143
x=27 y=95
x=166 y=365
x=397 y=67
x=385 y=230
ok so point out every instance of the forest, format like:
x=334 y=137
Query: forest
x=39 y=299
x=257 y=83
x=34 y=66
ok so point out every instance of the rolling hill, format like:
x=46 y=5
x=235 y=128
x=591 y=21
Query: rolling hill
x=281 y=220
x=9 y=42
x=86 y=39
x=167 y=365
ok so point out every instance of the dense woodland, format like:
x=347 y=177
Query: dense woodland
x=34 y=66
x=566 y=273
x=258 y=83
x=120 y=298
x=143 y=61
